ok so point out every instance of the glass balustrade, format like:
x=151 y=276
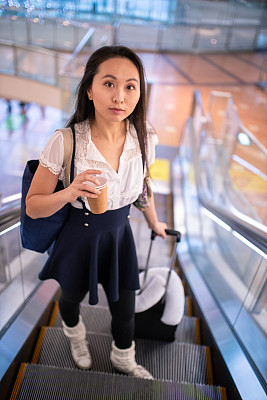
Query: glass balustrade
x=234 y=269
x=19 y=270
x=248 y=172
x=238 y=178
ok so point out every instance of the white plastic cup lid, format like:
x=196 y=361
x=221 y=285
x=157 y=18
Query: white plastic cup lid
x=102 y=182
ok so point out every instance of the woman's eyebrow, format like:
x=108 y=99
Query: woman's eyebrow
x=114 y=77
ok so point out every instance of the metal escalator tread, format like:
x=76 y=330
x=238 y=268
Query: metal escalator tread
x=43 y=382
x=95 y=318
x=178 y=362
x=98 y=319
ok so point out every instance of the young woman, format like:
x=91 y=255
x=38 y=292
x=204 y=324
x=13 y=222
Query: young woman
x=112 y=139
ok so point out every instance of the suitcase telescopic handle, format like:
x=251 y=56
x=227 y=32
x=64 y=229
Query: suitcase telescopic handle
x=169 y=232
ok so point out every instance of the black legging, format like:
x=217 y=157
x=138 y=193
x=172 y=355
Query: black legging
x=122 y=312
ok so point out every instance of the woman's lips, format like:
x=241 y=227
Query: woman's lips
x=116 y=110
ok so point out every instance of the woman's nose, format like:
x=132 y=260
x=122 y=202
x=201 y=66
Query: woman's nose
x=118 y=97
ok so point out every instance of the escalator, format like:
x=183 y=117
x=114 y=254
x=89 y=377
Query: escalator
x=220 y=346
x=182 y=369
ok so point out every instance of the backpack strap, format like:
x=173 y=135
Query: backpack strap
x=68 y=152
x=68 y=159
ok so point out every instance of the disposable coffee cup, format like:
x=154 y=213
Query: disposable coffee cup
x=99 y=204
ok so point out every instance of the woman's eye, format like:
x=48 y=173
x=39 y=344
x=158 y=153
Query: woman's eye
x=109 y=84
x=130 y=87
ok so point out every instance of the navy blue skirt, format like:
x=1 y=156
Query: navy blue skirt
x=94 y=249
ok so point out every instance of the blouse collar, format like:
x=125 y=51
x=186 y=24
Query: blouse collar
x=131 y=140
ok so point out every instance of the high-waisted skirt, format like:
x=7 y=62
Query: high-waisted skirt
x=94 y=249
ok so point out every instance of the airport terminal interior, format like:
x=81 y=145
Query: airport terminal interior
x=206 y=81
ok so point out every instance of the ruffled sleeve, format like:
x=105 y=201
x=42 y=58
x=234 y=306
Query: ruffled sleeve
x=53 y=153
x=152 y=141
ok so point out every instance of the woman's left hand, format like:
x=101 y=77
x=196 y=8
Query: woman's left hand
x=159 y=228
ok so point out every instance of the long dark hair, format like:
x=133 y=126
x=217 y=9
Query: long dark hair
x=84 y=108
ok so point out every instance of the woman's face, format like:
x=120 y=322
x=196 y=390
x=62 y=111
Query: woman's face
x=115 y=89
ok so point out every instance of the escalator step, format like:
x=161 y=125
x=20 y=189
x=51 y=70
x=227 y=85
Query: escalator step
x=179 y=362
x=98 y=319
x=53 y=383
x=95 y=319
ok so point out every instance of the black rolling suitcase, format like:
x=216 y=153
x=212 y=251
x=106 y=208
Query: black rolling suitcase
x=160 y=301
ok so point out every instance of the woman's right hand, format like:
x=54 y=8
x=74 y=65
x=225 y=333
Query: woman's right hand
x=80 y=187
x=42 y=201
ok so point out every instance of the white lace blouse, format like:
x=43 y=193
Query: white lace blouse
x=125 y=185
